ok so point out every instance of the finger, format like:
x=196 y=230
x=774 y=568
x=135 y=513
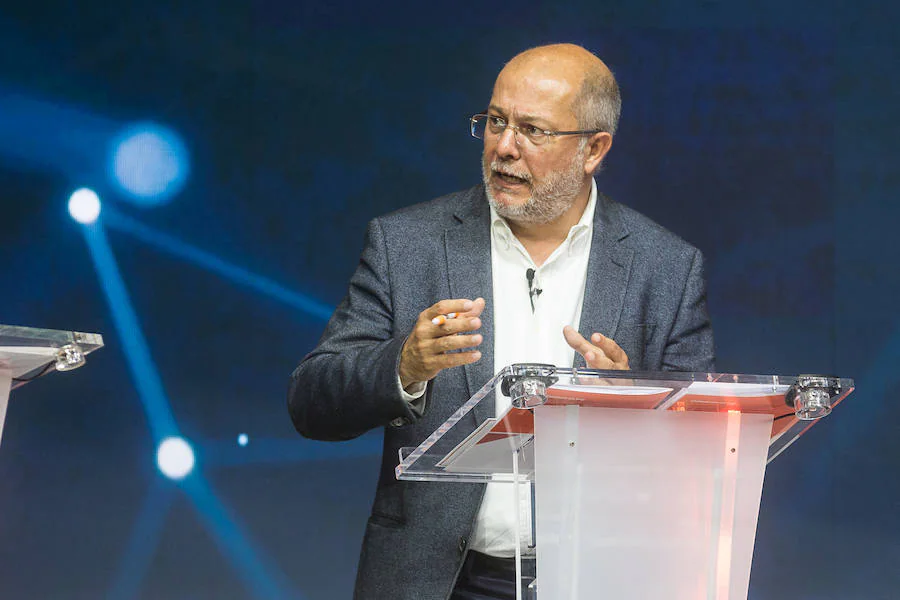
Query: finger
x=460 y=322
x=475 y=311
x=576 y=340
x=456 y=342
x=444 y=307
x=447 y=361
x=441 y=319
x=433 y=319
x=598 y=360
x=594 y=357
x=610 y=348
x=458 y=325
x=477 y=307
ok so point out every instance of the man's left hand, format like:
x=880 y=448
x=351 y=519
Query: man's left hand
x=600 y=353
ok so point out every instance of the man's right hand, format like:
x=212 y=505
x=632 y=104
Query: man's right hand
x=429 y=348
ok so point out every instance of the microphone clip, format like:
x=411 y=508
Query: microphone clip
x=533 y=291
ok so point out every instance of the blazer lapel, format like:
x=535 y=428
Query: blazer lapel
x=609 y=267
x=468 y=249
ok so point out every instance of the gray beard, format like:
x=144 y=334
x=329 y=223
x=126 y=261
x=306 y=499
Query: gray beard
x=549 y=199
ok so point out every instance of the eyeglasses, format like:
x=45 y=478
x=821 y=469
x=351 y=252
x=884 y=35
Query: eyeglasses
x=492 y=126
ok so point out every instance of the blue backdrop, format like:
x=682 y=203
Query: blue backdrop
x=761 y=132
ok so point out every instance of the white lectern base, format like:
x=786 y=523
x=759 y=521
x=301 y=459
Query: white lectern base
x=672 y=499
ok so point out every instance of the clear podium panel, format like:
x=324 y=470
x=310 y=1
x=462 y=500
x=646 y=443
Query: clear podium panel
x=625 y=493
x=5 y=381
x=475 y=445
x=29 y=352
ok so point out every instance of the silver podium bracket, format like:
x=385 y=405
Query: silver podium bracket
x=69 y=357
x=527 y=383
x=811 y=397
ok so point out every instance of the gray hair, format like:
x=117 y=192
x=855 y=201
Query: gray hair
x=598 y=103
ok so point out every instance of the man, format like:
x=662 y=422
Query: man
x=536 y=266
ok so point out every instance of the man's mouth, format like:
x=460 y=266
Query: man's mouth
x=510 y=179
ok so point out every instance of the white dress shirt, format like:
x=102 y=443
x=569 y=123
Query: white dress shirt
x=521 y=335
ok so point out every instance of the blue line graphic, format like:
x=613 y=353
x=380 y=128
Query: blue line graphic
x=143 y=541
x=137 y=353
x=206 y=260
x=263 y=580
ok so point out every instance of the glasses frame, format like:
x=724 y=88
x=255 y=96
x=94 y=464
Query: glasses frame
x=473 y=120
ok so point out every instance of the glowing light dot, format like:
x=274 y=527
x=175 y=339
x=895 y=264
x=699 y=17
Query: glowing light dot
x=150 y=163
x=175 y=458
x=84 y=206
x=243 y=439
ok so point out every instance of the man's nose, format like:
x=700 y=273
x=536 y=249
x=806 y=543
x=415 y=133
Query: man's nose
x=508 y=143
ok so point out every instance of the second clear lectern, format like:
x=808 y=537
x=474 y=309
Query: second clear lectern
x=636 y=485
x=27 y=353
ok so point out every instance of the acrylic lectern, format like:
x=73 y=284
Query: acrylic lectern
x=27 y=353
x=636 y=485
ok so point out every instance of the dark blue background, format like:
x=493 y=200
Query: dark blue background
x=763 y=132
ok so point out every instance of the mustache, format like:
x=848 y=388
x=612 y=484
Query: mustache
x=503 y=169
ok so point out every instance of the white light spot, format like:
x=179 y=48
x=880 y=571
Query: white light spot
x=243 y=439
x=175 y=458
x=84 y=206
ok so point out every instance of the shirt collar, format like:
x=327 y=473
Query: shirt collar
x=501 y=231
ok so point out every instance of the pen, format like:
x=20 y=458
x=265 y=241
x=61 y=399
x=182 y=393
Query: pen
x=441 y=319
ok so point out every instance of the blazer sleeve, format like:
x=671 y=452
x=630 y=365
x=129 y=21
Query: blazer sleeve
x=689 y=346
x=348 y=384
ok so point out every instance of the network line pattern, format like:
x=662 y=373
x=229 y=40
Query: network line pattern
x=255 y=569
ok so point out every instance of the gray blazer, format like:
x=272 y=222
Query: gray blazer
x=645 y=288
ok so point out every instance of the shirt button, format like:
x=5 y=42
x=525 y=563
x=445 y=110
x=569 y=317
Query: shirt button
x=462 y=544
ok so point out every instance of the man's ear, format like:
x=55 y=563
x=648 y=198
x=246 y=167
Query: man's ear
x=598 y=146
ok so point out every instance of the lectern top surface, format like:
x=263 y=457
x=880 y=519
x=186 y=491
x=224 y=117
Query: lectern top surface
x=482 y=448
x=28 y=352
x=13 y=335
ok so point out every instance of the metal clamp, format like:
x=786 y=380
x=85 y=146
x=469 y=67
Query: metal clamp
x=811 y=396
x=527 y=384
x=69 y=357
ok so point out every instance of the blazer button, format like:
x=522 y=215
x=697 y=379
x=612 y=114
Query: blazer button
x=462 y=544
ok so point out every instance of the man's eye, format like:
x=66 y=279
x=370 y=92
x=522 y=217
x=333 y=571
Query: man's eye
x=532 y=131
x=496 y=122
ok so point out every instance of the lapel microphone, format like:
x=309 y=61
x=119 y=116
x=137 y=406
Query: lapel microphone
x=532 y=290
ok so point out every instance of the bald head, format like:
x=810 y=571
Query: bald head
x=595 y=103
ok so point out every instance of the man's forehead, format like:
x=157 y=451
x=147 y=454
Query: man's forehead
x=532 y=96
x=543 y=73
